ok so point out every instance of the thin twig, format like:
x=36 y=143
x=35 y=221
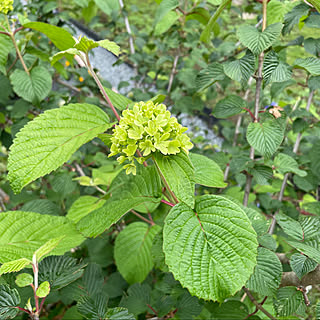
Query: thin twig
x=173 y=71
x=142 y=218
x=168 y=203
x=258 y=305
x=126 y=21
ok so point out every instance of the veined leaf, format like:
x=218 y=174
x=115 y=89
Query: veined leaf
x=85 y=45
x=83 y=206
x=47 y=247
x=293 y=17
x=209 y=76
x=288 y=301
x=49 y=140
x=316 y=4
x=22 y=233
x=290 y=226
x=311 y=65
x=207 y=172
x=34 y=87
x=284 y=163
x=60 y=37
x=266 y=137
x=267 y=274
x=309 y=251
x=132 y=251
x=14 y=266
x=118 y=100
x=258 y=41
x=64 y=53
x=166 y=23
x=242 y=69
x=229 y=106
x=43 y=289
x=119 y=314
x=200 y=14
x=9 y=299
x=221 y=250
x=24 y=280
x=178 y=171
x=94 y=307
x=164 y=7
x=5 y=46
x=275 y=70
x=312 y=46
x=142 y=191
x=301 y=264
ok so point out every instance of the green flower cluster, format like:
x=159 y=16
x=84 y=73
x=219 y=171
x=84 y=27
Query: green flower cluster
x=6 y=6
x=149 y=128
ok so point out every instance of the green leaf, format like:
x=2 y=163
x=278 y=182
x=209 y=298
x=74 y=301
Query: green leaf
x=9 y=300
x=284 y=163
x=311 y=65
x=258 y=41
x=93 y=307
x=34 y=87
x=229 y=106
x=241 y=69
x=85 y=45
x=49 y=140
x=64 y=53
x=178 y=172
x=221 y=250
x=208 y=76
x=316 y=4
x=132 y=251
x=312 y=46
x=164 y=7
x=290 y=226
x=107 y=6
x=205 y=35
x=301 y=264
x=207 y=172
x=14 y=266
x=43 y=290
x=314 y=82
x=142 y=190
x=266 y=137
x=293 y=17
x=5 y=47
x=119 y=314
x=118 y=100
x=24 y=280
x=47 y=247
x=262 y=174
x=311 y=252
x=59 y=271
x=276 y=10
x=22 y=233
x=267 y=274
x=83 y=206
x=275 y=70
x=166 y=23
x=258 y=221
x=287 y=301
x=60 y=37
x=200 y=14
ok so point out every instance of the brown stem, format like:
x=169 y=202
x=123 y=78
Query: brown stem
x=19 y=53
x=24 y=310
x=257 y=304
x=99 y=84
x=141 y=217
x=168 y=203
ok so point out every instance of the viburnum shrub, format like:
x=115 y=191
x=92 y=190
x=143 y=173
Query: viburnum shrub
x=173 y=228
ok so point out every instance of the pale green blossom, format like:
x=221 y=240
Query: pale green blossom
x=6 y=6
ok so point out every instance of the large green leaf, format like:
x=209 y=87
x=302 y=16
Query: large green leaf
x=178 y=172
x=22 y=233
x=267 y=274
x=34 y=87
x=275 y=70
x=258 y=41
x=60 y=37
x=132 y=251
x=208 y=76
x=311 y=65
x=288 y=301
x=229 y=106
x=142 y=191
x=290 y=226
x=265 y=137
x=59 y=271
x=207 y=172
x=164 y=7
x=49 y=140
x=312 y=46
x=301 y=264
x=241 y=69
x=118 y=100
x=5 y=46
x=212 y=250
x=284 y=163
x=9 y=300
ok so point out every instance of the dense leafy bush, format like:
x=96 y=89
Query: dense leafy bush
x=173 y=228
